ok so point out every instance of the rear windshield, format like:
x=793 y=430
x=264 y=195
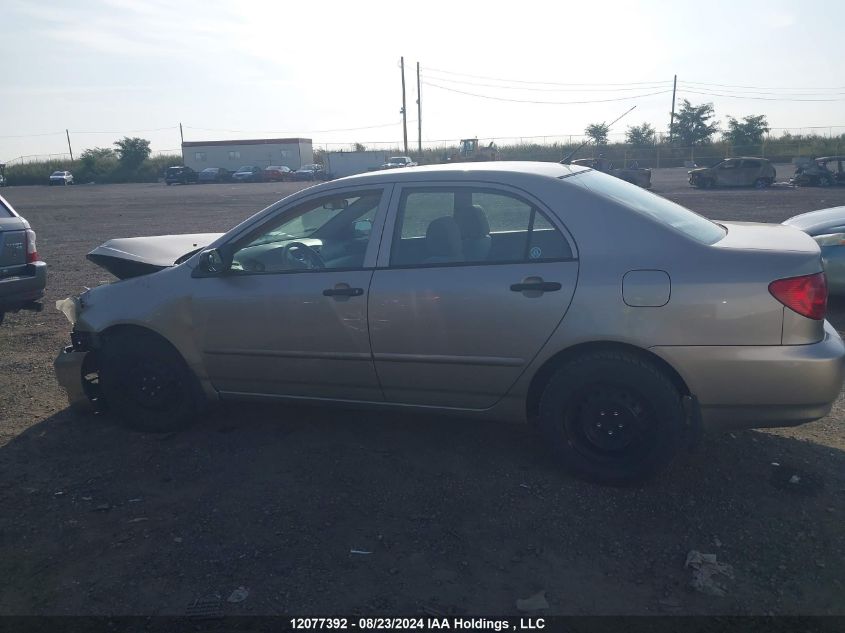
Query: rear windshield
x=656 y=207
x=4 y=212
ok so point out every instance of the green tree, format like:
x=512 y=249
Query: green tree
x=97 y=162
x=132 y=151
x=749 y=131
x=360 y=147
x=640 y=135
x=692 y=125
x=597 y=132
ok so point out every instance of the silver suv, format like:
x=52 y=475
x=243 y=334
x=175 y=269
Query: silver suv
x=22 y=276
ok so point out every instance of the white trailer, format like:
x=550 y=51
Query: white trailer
x=340 y=164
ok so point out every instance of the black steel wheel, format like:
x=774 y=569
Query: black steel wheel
x=612 y=417
x=146 y=384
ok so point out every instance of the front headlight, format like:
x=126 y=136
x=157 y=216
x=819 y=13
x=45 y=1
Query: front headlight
x=831 y=239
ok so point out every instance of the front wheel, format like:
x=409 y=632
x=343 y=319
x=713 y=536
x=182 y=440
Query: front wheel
x=762 y=183
x=612 y=417
x=824 y=181
x=146 y=384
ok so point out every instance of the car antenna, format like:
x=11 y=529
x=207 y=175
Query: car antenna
x=566 y=159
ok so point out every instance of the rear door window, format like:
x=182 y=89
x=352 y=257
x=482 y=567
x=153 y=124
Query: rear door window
x=4 y=211
x=465 y=225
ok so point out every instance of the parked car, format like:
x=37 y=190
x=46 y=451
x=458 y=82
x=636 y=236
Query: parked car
x=180 y=175
x=277 y=173
x=247 y=173
x=735 y=172
x=61 y=178
x=23 y=276
x=827 y=228
x=395 y=162
x=310 y=172
x=819 y=172
x=484 y=289
x=639 y=176
x=214 y=174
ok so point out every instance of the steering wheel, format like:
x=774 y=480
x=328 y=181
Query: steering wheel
x=301 y=255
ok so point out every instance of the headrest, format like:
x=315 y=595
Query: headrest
x=472 y=221
x=443 y=237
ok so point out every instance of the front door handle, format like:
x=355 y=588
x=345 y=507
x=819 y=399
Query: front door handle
x=536 y=286
x=343 y=290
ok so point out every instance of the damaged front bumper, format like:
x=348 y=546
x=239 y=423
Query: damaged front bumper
x=74 y=366
x=69 y=373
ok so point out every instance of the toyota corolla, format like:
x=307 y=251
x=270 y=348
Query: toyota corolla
x=619 y=322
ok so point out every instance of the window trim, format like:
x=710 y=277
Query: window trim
x=276 y=214
x=390 y=226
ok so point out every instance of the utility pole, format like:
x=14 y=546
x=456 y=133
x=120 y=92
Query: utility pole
x=181 y=136
x=404 y=112
x=68 y=144
x=672 y=120
x=419 y=113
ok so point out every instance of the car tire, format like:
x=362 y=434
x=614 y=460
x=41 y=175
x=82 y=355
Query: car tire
x=762 y=183
x=146 y=383
x=612 y=417
x=824 y=181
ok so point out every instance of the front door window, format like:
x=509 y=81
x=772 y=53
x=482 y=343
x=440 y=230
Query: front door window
x=329 y=233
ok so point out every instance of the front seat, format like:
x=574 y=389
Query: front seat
x=475 y=232
x=443 y=241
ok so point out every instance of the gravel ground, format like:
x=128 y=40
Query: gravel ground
x=460 y=516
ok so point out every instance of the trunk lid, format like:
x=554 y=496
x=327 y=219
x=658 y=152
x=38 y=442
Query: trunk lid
x=754 y=236
x=135 y=256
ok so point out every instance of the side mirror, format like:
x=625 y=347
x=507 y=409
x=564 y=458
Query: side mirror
x=211 y=262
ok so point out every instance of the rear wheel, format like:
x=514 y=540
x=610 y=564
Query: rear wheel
x=824 y=181
x=762 y=183
x=146 y=383
x=612 y=417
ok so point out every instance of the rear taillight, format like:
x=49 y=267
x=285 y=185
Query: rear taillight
x=806 y=295
x=31 y=251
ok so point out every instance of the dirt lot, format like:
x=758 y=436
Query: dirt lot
x=461 y=516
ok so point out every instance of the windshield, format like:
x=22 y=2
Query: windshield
x=245 y=168
x=655 y=207
x=308 y=168
x=56 y=173
x=210 y=170
x=397 y=159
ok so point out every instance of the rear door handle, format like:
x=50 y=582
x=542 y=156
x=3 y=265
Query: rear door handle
x=342 y=290
x=536 y=286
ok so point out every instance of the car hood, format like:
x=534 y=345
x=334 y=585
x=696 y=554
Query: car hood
x=135 y=256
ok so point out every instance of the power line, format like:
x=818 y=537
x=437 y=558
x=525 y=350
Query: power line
x=546 y=83
x=348 y=129
x=475 y=94
x=701 y=83
x=731 y=96
x=787 y=95
x=488 y=85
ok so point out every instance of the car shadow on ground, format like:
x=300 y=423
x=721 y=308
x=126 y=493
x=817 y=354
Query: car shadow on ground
x=326 y=511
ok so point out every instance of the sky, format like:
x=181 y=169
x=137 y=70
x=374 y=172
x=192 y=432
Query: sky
x=328 y=70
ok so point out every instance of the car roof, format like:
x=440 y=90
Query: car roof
x=468 y=171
